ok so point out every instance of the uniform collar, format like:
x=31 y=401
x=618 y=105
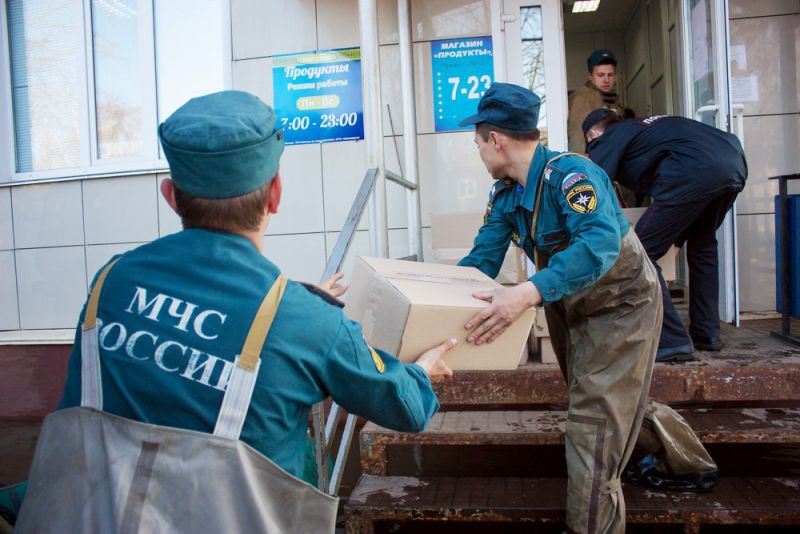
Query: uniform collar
x=610 y=94
x=526 y=197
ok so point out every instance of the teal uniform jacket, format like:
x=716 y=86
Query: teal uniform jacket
x=174 y=314
x=580 y=224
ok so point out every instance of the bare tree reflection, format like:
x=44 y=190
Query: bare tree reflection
x=533 y=59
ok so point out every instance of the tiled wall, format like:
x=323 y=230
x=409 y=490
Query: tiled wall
x=320 y=181
x=54 y=237
x=769 y=32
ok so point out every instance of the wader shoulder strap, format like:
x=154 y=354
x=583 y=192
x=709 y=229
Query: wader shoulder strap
x=240 y=387
x=91 y=380
x=539 y=188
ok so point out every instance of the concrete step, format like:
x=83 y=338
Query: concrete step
x=710 y=379
x=751 y=367
x=735 y=501
x=491 y=428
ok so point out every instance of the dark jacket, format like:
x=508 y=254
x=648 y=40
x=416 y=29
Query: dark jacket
x=673 y=159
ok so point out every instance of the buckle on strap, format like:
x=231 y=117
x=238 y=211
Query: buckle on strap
x=611 y=486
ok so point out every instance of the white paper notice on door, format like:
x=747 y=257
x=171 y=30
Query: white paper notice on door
x=739 y=56
x=744 y=88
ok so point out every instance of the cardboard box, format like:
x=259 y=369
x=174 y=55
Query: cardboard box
x=453 y=234
x=669 y=260
x=513 y=271
x=546 y=352
x=408 y=307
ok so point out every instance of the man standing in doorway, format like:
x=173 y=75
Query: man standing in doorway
x=693 y=172
x=598 y=92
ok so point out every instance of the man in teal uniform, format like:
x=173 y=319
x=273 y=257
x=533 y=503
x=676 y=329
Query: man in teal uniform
x=175 y=312
x=599 y=289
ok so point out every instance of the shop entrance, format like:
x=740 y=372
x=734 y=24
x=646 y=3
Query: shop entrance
x=672 y=59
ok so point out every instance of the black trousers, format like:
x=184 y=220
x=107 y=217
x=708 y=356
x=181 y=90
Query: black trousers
x=695 y=224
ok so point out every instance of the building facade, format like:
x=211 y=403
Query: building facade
x=83 y=85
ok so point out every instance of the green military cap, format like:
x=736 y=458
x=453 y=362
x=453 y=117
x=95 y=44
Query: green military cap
x=222 y=145
x=601 y=57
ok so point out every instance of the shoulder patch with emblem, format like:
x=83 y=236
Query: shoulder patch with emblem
x=649 y=121
x=572 y=179
x=582 y=198
x=376 y=358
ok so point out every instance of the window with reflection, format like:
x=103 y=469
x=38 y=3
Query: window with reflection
x=117 y=79
x=88 y=88
x=46 y=82
x=702 y=56
x=533 y=59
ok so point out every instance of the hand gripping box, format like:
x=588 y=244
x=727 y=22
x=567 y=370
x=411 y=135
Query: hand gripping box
x=667 y=262
x=407 y=307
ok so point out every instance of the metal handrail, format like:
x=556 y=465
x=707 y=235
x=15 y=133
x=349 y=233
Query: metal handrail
x=399 y=180
x=324 y=431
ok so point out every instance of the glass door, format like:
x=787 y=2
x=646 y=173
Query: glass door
x=708 y=100
x=532 y=37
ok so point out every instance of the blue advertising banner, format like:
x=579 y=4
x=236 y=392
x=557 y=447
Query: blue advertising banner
x=318 y=96
x=463 y=69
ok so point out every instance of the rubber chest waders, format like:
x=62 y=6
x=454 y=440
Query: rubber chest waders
x=605 y=339
x=98 y=472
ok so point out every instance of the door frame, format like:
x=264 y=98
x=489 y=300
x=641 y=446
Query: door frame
x=729 y=303
x=507 y=39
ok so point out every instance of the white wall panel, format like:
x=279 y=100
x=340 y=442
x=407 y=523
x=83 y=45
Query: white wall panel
x=452 y=175
x=770 y=144
x=636 y=43
x=442 y=19
x=765 y=59
x=52 y=286
x=300 y=257
x=756 y=262
x=301 y=209
x=9 y=312
x=343 y=167
x=98 y=255
x=391 y=89
x=762 y=8
x=120 y=210
x=396 y=206
x=254 y=76
x=47 y=215
x=263 y=29
x=655 y=40
x=6 y=221
x=337 y=24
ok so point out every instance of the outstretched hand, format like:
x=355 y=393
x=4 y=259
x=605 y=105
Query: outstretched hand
x=332 y=286
x=431 y=361
x=507 y=304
